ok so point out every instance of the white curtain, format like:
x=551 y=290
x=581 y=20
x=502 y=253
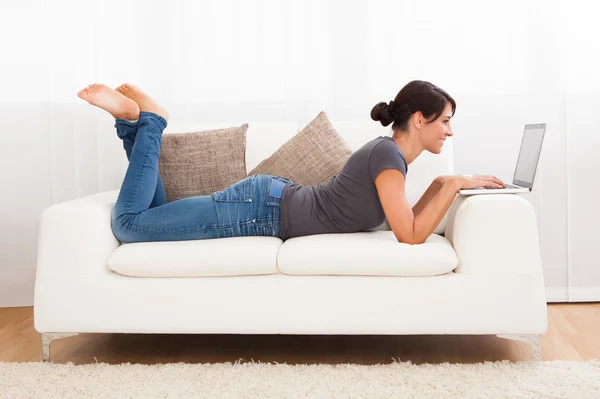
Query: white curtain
x=506 y=63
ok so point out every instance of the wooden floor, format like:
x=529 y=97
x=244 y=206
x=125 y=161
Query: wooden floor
x=573 y=334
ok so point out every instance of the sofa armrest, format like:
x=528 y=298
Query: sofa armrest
x=75 y=237
x=494 y=234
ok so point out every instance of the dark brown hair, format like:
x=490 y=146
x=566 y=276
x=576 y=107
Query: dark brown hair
x=417 y=95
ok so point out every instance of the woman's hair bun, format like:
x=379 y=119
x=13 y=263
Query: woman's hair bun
x=384 y=113
x=415 y=96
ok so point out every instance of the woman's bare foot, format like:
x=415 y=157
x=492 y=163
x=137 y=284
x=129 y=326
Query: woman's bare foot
x=109 y=100
x=145 y=102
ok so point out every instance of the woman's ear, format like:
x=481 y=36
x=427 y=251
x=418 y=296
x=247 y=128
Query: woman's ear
x=418 y=120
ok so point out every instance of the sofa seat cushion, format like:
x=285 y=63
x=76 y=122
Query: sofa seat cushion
x=232 y=256
x=373 y=253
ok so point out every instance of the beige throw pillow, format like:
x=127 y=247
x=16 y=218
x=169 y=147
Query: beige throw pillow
x=311 y=157
x=201 y=163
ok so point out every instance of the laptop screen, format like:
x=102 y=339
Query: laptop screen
x=529 y=155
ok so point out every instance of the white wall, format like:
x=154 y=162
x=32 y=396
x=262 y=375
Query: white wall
x=506 y=63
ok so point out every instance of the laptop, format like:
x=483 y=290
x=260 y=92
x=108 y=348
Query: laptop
x=529 y=155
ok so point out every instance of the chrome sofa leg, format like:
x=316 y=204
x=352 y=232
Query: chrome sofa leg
x=47 y=339
x=534 y=339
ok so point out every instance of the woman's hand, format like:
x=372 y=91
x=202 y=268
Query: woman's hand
x=475 y=181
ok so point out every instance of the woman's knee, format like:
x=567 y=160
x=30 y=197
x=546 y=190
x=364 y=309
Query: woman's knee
x=121 y=230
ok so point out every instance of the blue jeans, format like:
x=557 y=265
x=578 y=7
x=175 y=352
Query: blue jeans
x=249 y=207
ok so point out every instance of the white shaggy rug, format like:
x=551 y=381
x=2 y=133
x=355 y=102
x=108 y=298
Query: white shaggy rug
x=553 y=379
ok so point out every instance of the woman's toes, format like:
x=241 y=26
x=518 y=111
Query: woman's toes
x=110 y=100
x=125 y=89
x=129 y=87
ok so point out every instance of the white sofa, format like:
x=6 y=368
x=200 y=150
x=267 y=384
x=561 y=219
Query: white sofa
x=480 y=273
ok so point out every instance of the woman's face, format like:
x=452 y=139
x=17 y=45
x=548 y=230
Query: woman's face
x=435 y=133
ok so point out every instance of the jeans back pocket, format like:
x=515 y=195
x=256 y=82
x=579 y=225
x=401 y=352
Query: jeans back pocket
x=234 y=205
x=237 y=192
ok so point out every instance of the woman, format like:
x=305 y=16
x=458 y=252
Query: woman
x=368 y=189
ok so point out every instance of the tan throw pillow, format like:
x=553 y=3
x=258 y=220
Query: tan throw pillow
x=311 y=157
x=201 y=163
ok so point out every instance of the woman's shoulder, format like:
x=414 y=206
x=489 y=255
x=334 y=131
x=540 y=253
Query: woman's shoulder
x=382 y=143
x=385 y=150
x=369 y=145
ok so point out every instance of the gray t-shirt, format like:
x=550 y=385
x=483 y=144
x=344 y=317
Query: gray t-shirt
x=348 y=202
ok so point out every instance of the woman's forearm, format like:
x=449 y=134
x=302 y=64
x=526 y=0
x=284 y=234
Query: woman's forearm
x=431 y=192
x=426 y=223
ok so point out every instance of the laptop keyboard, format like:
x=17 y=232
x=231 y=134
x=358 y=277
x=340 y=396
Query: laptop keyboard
x=500 y=188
